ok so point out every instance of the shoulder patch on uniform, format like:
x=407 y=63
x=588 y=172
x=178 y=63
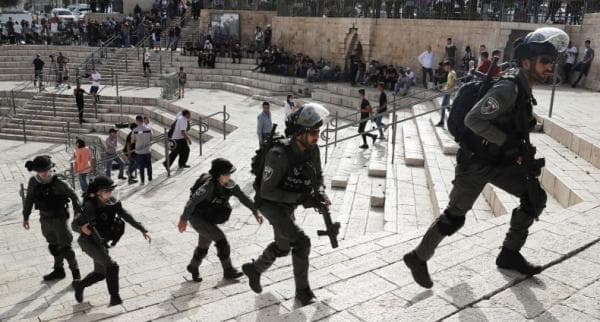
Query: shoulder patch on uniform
x=490 y=106
x=267 y=173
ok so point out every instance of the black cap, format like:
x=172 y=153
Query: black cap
x=39 y=164
x=102 y=183
x=221 y=166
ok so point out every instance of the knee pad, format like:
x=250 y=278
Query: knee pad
x=54 y=249
x=223 y=249
x=448 y=224
x=278 y=252
x=302 y=246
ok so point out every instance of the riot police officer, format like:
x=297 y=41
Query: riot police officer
x=101 y=222
x=50 y=196
x=286 y=183
x=208 y=207
x=494 y=151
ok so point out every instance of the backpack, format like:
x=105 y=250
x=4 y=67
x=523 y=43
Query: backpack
x=172 y=129
x=200 y=182
x=257 y=165
x=468 y=95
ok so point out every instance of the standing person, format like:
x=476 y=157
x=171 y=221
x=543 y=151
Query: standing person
x=586 y=63
x=268 y=34
x=354 y=69
x=95 y=84
x=102 y=221
x=182 y=140
x=182 y=79
x=490 y=152
x=142 y=138
x=571 y=57
x=78 y=93
x=448 y=89
x=259 y=42
x=111 y=156
x=289 y=106
x=426 y=61
x=365 y=113
x=51 y=196
x=129 y=151
x=264 y=123
x=291 y=173
x=208 y=207
x=450 y=51
x=381 y=109
x=146 y=62
x=38 y=71
x=83 y=163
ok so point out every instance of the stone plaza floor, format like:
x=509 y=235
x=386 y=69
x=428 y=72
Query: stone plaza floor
x=364 y=279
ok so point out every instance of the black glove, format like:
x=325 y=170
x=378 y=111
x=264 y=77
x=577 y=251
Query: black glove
x=309 y=201
x=511 y=149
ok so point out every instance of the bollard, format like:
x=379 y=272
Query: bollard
x=167 y=161
x=224 y=122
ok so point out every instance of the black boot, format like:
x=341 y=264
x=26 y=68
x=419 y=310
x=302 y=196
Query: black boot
x=112 y=282
x=79 y=285
x=56 y=274
x=76 y=274
x=418 y=268
x=231 y=273
x=253 y=277
x=305 y=296
x=195 y=273
x=509 y=259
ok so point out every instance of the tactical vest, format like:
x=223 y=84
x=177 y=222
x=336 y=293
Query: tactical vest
x=296 y=179
x=109 y=224
x=49 y=198
x=517 y=121
x=216 y=209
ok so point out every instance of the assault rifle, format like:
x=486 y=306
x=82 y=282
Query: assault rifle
x=332 y=229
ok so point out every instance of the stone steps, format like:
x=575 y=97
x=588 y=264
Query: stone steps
x=413 y=150
x=45 y=127
x=445 y=139
x=439 y=169
x=31 y=138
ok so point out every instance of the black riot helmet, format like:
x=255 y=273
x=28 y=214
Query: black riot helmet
x=308 y=117
x=220 y=167
x=101 y=183
x=39 y=164
x=546 y=41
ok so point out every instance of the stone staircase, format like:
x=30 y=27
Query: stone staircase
x=16 y=61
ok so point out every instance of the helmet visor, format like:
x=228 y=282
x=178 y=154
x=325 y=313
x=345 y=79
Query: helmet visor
x=312 y=115
x=558 y=38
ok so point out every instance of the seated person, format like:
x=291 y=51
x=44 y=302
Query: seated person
x=236 y=53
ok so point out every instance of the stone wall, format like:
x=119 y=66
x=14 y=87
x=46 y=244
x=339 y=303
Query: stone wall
x=397 y=41
x=248 y=19
x=128 y=5
x=589 y=30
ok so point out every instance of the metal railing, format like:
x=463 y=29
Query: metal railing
x=332 y=126
x=534 y=11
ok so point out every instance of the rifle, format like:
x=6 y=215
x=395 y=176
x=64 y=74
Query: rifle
x=332 y=229
x=95 y=234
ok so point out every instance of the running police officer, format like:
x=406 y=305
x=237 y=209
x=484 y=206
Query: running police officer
x=102 y=222
x=50 y=196
x=208 y=207
x=492 y=152
x=286 y=183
